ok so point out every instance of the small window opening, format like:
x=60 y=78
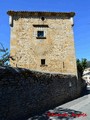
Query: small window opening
x=42 y=61
x=42 y=18
x=63 y=65
x=40 y=33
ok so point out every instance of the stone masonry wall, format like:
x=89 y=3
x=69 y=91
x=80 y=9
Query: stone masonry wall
x=57 y=49
x=24 y=93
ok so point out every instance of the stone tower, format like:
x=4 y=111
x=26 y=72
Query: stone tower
x=43 y=41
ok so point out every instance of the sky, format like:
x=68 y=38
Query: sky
x=81 y=20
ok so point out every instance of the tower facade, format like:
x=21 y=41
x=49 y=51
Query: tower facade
x=42 y=41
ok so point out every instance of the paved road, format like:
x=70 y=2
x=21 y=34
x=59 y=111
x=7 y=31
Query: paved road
x=69 y=111
x=81 y=104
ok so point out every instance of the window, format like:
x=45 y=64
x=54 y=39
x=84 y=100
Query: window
x=40 y=33
x=42 y=61
x=42 y=18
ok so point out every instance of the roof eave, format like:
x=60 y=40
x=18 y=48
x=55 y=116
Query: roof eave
x=36 y=13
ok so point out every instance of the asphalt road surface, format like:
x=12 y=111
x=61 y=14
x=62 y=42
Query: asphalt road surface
x=81 y=104
x=78 y=109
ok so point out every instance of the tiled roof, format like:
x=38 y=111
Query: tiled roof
x=40 y=13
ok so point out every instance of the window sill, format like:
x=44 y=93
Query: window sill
x=41 y=37
x=43 y=65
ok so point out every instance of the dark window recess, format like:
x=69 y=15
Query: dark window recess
x=40 y=33
x=42 y=18
x=63 y=65
x=42 y=61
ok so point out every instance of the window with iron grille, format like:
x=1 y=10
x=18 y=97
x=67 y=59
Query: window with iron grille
x=40 y=35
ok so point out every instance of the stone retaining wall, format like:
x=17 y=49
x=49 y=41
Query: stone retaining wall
x=24 y=93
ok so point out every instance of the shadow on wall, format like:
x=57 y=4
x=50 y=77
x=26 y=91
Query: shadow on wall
x=25 y=93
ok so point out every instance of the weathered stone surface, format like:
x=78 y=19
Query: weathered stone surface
x=57 y=49
x=24 y=93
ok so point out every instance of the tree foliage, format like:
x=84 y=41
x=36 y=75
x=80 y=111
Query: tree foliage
x=4 y=56
x=88 y=63
x=81 y=65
